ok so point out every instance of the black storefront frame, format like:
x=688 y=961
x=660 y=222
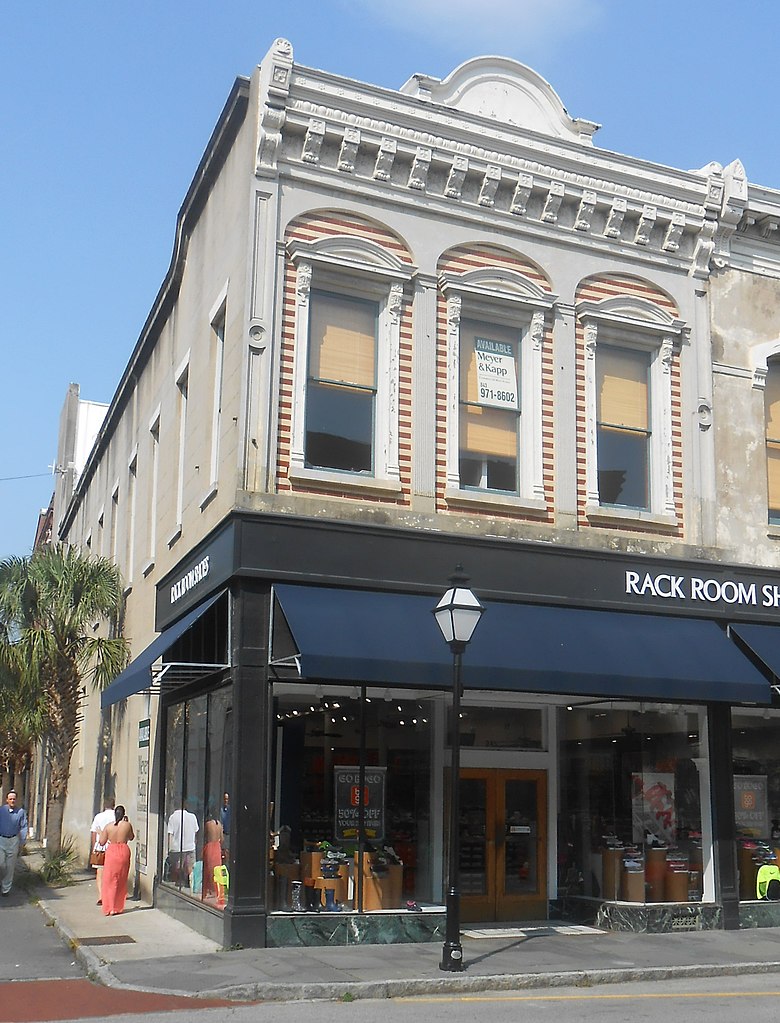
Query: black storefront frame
x=249 y=552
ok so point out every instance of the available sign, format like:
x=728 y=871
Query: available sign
x=347 y=817
x=496 y=374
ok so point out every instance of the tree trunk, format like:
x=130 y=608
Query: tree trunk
x=56 y=809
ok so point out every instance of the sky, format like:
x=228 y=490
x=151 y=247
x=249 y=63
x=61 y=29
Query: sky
x=105 y=109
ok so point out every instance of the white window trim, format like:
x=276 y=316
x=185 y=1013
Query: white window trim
x=634 y=322
x=508 y=297
x=218 y=312
x=182 y=378
x=353 y=267
x=154 y=474
x=132 y=505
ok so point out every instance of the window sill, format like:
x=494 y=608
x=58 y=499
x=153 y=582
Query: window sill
x=209 y=496
x=773 y=531
x=484 y=499
x=127 y=590
x=598 y=515
x=175 y=536
x=147 y=568
x=323 y=479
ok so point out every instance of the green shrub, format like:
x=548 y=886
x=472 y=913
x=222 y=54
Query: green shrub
x=58 y=866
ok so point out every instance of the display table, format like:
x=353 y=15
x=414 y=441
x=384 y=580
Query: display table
x=382 y=889
x=655 y=874
x=611 y=867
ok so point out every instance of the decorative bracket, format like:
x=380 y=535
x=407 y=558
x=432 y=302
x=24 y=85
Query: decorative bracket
x=348 y=152
x=457 y=176
x=313 y=142
x=487 y=194
x=418 y=177
x=522 y=193
x=553 y=202
x=645 y=226
x=385 y=159
x=585 y=212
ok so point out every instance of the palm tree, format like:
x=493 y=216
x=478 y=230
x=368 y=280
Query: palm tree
x=51 y=604
x=22 y=721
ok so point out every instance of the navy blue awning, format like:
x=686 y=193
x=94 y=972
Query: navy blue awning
x=137 y=675
x=393 y=639
x=763 y=641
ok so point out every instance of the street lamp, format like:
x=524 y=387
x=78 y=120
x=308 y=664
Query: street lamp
x=457 y=615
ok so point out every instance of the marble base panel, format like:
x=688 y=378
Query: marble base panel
x=311 y=929
x=759 y=914
x=653 y=918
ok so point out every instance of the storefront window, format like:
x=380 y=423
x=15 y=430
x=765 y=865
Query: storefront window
x=198 y=765
x=513 y=728
x=631 y=800
x=321 y=743
x=756 y=796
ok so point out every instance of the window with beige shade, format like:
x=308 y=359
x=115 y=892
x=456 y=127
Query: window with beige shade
x=623 y=426
x=489 y=406
x=341 y=386
x=772 y=417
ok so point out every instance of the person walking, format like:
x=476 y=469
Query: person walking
x=117 y=863
x=13 y=835
x=98 y=852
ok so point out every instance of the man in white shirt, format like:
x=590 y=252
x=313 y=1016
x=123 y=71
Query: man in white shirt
x=105 y=817
x=182 y=829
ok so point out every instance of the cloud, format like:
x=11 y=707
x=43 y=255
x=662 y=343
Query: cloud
x=507 y=27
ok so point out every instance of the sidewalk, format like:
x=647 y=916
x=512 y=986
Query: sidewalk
x=145 y=950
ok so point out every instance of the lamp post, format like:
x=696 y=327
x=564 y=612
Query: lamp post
x=457 y=615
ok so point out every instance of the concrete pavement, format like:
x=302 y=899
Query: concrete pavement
x=143 y=949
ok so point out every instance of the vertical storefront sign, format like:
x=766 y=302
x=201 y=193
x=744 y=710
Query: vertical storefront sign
x=496 y=373
x=142 y=793
x=652 y=807
x=750 y=805
x=347 y=815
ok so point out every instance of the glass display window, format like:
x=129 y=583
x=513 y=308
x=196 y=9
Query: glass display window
x=196 y=826
x=634 y=802
x=328 y=749
x=756 y=761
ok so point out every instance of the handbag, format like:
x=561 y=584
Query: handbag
x=97 y=859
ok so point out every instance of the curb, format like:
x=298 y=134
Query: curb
x=335 y=991
x=266 y=991
x=93 y=966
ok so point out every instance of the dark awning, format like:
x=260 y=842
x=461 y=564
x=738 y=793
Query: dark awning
x=392 y=639
x=137 y=675
x=763 y=641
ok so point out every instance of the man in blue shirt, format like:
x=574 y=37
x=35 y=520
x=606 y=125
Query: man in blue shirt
x=13 y=834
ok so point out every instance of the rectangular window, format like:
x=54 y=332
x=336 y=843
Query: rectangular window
x=772 y=412
x=623 y=426
x=218 y=328
x=489 y=406
x=341 y=384
x=132 y=483
x=154 y=481
x=114 y=527
x=183 y=387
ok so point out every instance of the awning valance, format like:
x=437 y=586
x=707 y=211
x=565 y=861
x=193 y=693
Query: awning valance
x=392 y=639
x=137 y=675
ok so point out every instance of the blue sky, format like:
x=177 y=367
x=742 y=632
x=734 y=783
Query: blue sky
x=105 y=109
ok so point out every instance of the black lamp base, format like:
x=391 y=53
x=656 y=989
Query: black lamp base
x=451 y=958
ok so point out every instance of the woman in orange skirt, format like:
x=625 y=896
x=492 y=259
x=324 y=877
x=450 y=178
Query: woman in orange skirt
x=117 y=865
x=212 y=853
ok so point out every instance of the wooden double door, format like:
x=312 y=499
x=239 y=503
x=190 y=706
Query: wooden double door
x=503 y=845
